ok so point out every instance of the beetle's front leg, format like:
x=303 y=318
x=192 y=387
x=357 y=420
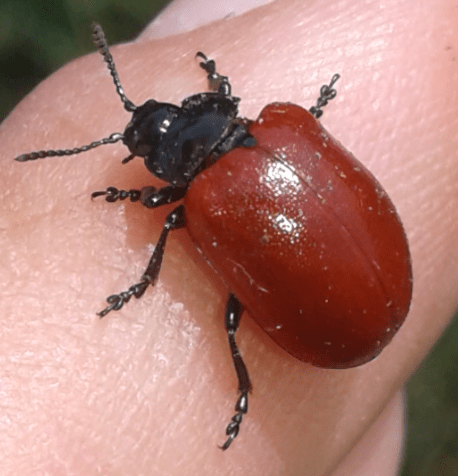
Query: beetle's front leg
x=112 y=194
x=175 y=220
x=150 y=197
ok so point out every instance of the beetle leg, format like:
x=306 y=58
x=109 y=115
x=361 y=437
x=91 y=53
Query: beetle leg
x=112 y=194
x=327 y=92
x=174 y=221
x=150 y=197
x=216 y=82
x=232 y=317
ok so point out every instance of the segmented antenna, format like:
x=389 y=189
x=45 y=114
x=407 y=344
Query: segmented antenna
x=115 y=137
x=102 y=45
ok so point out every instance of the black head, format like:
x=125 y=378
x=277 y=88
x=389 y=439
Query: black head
x=176 y=142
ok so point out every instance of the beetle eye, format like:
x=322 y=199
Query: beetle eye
x=142 y=149
x=135 y=141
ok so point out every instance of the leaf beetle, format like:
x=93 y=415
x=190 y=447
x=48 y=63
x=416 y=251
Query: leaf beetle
x=304 y=236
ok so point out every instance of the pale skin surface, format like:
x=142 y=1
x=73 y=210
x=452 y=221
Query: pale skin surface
x=149 y=390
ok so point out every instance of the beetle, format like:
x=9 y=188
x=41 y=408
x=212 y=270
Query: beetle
x=304 y=236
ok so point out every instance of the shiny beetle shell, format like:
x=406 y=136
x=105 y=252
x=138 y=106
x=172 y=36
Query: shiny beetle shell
x=306 y=238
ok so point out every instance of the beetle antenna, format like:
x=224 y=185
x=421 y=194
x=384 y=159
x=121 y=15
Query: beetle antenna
x=102 y=45
x=41 y=154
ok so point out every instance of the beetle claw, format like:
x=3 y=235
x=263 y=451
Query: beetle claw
x=232 y=430
x=117 y=301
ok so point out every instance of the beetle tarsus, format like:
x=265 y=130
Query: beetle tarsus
x=327 y=93
x=232 y=430
x=216 y=81
x=112 y=194
x=117 y=301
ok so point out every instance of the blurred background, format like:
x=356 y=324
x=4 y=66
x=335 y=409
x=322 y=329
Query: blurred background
x=37 y=37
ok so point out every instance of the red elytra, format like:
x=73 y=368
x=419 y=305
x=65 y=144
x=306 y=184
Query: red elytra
x=306 y=238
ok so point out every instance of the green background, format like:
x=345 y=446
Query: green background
x=37 y=37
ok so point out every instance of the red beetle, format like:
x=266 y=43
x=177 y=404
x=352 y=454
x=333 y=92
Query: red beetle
x=305 y=238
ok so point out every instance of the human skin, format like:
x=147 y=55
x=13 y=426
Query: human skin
x=149 y=390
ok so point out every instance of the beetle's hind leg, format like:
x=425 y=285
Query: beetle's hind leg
x=150 y=197
x=216 y=82
x=232 y=317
